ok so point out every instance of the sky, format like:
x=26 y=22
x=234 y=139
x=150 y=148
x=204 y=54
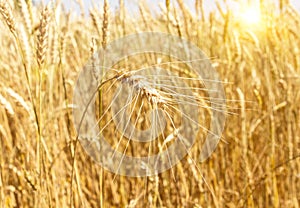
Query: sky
x=209 y=5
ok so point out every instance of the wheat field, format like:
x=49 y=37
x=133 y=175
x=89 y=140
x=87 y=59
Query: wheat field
x=44 y=49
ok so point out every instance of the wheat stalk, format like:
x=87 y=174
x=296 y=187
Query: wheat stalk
x=145 y=16
x=25 y=44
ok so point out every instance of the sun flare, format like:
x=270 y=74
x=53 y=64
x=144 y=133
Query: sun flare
x=250 y=16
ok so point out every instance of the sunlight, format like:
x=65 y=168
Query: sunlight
x=250 y=16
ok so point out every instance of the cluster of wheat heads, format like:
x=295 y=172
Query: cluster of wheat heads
x=44 y=50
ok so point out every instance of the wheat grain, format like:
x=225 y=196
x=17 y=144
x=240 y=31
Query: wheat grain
x=6 y=12
x=30 y=10
x=42 y=43
x=96 y=21
x=105 y=24
x=26 y=16
x=54 y=46
x=143 y=88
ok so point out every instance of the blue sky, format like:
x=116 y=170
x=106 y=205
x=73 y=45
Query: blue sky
x=209 y=5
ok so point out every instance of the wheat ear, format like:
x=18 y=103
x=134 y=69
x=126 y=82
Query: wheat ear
x=96 y=21
x=6 y=12
x=105 y=32
x=26 y=15
x=43 y=37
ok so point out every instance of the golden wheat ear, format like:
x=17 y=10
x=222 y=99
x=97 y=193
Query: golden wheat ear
x=105 y=32
x=42 y=43
x=6 y=12
x=25 y=12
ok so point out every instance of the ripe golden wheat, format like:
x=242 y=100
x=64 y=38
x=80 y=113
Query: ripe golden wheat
x=43 y=50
